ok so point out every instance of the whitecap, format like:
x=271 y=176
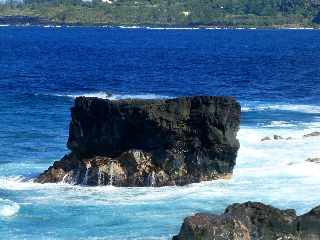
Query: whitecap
x=277 y=168
x=249 y=107
x=279 y=124
x=105 y=95
x=130 y=27
x=159 y=28
x=214 y=28
x=8 y=208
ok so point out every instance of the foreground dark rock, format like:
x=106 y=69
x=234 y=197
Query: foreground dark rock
x=252 y=221
x=149 y=142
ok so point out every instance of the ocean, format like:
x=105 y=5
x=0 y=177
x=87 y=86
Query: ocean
x=274 y=74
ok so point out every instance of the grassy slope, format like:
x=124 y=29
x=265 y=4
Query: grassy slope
x=261 y=13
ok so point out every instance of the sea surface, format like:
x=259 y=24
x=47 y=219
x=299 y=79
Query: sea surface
x=274 y=74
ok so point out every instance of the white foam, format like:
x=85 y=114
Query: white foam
x=313 y=125
x=158 y=28
x=105 y=95
x=214 y=28
x=172 y=28
x=130 y=27
x=52 y=26
x=275 y=172
x=299 y=28
x=281 y=124
x=8 y=208
x=139 y=96
x=282 y=107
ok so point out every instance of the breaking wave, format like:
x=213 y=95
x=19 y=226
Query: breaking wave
x=106 y=95
x=313 y=109
x=280 y=124
x=277 y=167
x=8 y=208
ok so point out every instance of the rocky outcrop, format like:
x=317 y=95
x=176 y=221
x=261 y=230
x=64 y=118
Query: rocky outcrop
x=313 y=134
x=313 y=160
x=275 y=137
x=149 y=142
x=252 y=221
x=278 y=137
x=212 y=227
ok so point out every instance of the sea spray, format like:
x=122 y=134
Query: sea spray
x=65 y=178
x=152 y=179
x=8 y=208
x=111 y=173
x=86 y=175
x=105 y=95
x=100 y=177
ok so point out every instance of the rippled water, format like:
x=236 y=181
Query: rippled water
x=274 y=74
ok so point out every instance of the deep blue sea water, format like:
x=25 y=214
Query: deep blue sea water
x=275 y=74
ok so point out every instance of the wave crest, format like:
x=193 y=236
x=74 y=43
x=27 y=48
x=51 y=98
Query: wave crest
x=313 y=109
x=8 y=208
x=106 y=95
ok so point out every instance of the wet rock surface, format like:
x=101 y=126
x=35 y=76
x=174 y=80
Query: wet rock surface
x=205 y=226
x=278 y=137
x=275 y=137
x=313 y=160
x=313 y=134
x=149 y=142
x=252 y=221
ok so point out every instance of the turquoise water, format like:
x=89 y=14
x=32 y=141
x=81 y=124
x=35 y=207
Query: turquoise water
x=275 y=77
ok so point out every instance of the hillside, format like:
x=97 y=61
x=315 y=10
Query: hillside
x=246 y=13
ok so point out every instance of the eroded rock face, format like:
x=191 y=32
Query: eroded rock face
x=265 y=222
x=149 y=142
x=212 y=227
x=252 y=221
x=309 y=224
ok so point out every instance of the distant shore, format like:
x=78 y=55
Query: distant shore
x=25 y=21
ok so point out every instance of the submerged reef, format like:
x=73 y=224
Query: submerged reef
x=138 y=142
x=252 y=221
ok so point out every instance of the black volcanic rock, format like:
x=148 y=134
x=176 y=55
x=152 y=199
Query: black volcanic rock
x=149 y=142
x=212 y=227
x=309 y=224
x=252 y=221
x=313 y=134
x=263 y=221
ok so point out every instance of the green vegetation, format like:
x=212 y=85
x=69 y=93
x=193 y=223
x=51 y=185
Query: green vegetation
x=247 y=13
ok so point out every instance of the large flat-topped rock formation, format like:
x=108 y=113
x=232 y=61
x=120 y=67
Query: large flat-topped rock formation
x=149 y=142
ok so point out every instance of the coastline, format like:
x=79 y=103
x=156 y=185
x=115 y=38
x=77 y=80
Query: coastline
x=142 y=27
x=35 y=21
